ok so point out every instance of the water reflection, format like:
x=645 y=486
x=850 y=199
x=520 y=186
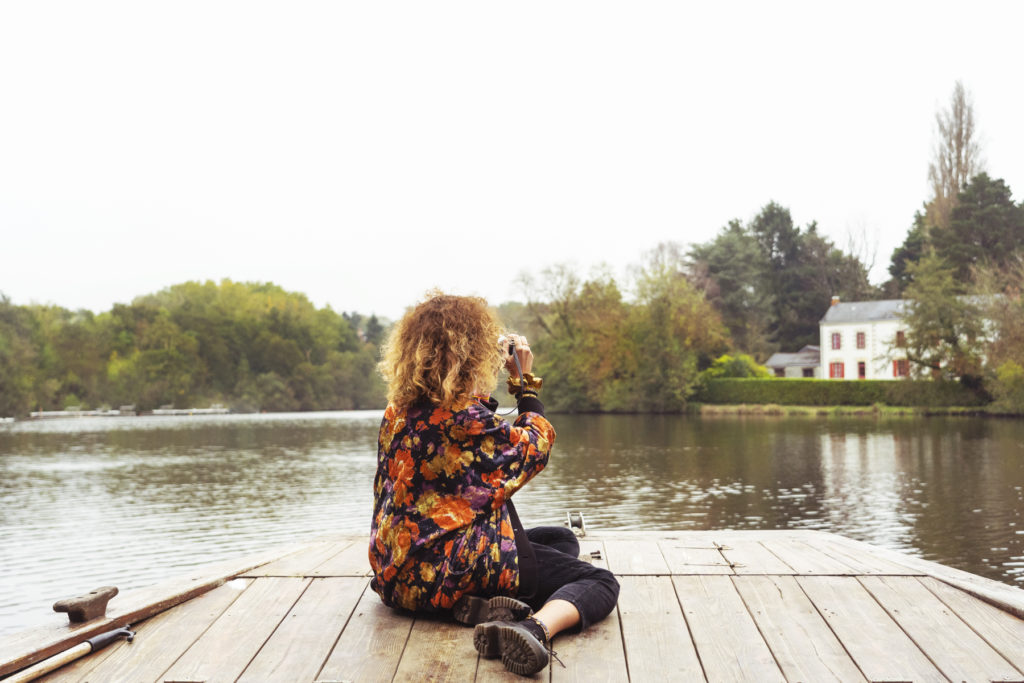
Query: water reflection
x=129 y=501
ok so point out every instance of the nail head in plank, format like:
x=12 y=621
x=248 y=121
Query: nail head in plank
x=371 y=645
x=654 y=633
x=957 y=650
x=635 y=557
x=726 y=637
x=437 y=650
x=805 y=648
x=305 y=637
x=875 y=642
x=227 y=647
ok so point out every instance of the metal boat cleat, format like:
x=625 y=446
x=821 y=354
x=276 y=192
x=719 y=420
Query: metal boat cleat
x=576 y=522
x=86 y=607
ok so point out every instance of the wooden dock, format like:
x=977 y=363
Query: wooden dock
x=716 y=606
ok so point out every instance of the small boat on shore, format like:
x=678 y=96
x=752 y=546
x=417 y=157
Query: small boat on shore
x=694 y=605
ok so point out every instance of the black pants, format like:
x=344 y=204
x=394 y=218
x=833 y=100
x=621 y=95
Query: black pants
x=561 y=575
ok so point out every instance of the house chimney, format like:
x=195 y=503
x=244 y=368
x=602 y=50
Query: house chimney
x=835 y=300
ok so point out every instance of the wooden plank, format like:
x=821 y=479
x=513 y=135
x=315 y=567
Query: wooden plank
x=864 y=563
x=301 y=563
x=1002 y=630
x=686 y=557
x=880 y=648
x=950 y=643
x=371 y=645
x=27 y=647
x=158 y=642
x=437 y=650
x=726 y=637
x=806 y=559
x=353 y=560
x=227 y=647
x=805 y=648
x=1009 y=598
x=657 y=642
x=593 y=655
x=635 y=557
x=299 y=646
x=751 y=557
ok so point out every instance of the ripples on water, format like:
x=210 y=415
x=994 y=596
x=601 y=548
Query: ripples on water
x=131 y=501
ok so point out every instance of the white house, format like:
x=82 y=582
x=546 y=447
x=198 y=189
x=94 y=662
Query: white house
x=864 y=340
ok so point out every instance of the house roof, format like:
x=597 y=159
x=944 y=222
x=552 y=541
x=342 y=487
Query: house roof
x=866 y=311
x=809 y=356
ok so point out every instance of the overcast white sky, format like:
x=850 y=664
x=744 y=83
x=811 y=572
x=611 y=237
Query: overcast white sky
x=364 y=152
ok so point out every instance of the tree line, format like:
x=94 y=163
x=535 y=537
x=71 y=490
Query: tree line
x=249 y=346
x=763 y=286
x=686 y=312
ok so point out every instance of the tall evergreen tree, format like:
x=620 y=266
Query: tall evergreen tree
x=986 y=228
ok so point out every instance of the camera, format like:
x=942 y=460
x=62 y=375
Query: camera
x=506 y=344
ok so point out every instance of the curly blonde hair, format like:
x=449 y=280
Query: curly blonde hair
x=443 y=350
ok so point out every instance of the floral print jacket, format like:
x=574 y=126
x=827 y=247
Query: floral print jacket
x=440 y=527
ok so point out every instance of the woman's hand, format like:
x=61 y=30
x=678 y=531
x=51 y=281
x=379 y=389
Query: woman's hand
x=522 y=350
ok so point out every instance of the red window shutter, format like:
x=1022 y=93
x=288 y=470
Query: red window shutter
x=895 y=368
x=836 y=340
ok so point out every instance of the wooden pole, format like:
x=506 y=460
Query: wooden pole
x=48 y=665
x=71 y=654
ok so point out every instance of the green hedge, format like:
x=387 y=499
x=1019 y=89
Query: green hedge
x=823 y=392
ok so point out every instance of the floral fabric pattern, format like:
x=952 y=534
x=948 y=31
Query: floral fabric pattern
x=440 y=528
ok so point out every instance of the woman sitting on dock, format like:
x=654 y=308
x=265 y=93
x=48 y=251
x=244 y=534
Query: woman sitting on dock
x=445 y=537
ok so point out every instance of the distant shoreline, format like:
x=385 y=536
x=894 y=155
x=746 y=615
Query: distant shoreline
x=775 y=410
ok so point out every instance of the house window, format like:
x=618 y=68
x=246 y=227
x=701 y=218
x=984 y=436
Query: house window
x=862 y=370
x=900 y=368
x=808 y=372
x=835 y=370
x=780 y=372
x=836 y=341
x=861 y=340
x=901 y=338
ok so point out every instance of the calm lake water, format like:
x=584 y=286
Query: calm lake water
x=130 y=501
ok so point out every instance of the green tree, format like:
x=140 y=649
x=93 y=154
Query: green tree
x=584 y=355
x=1001 y=290
x=985 y=228
x=739 y=365
x=676 y=333
x=945 y=333
x=18 y=358
x=772 y=281
x=915 y=246
x=731 y=271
